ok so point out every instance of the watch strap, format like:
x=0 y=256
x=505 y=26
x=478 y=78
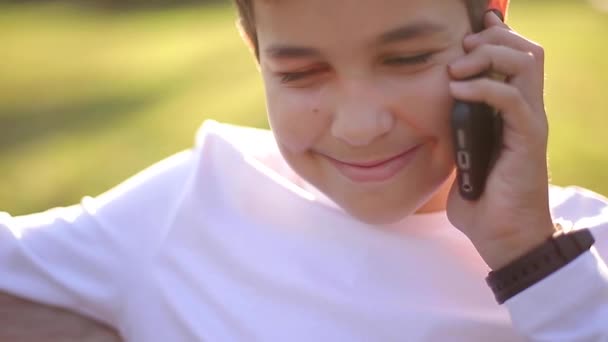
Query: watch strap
x=532 y=267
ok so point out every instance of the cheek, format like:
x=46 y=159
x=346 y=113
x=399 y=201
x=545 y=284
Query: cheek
x=426 y=103
x=297 y=117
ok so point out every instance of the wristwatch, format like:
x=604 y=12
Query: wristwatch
x=525 y=271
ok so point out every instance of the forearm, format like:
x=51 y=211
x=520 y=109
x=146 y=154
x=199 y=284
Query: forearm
x=500 y=252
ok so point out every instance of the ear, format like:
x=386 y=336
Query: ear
x=500 y=6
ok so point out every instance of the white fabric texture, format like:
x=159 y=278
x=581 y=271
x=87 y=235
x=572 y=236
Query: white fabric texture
x=224 y=242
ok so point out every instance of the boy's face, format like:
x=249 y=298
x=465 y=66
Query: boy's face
x=353 y=83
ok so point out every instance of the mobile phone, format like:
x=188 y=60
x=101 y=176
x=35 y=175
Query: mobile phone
x=477 y=137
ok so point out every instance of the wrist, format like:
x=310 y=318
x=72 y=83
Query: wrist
x=529 y=269
x=499 y=252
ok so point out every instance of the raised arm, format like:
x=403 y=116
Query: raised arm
x=85 y=257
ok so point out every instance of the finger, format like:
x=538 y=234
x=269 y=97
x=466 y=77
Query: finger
x=498 y=95
x=492 y=19
x=497 y=35
x=505 y=98
x=519 y=68
x=501 y=59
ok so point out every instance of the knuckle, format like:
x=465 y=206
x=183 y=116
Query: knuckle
x=539 y=52
x=545 y=126
x=487 y=87
x=483 y=84
x=484 y=52
x=541 y=130
x=491 y=34
x=489 y=55
x=496 y=31
x=488 y=49
x=529 y=60
x=513 y=96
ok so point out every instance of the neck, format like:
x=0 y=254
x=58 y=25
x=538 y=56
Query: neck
x=439 y=200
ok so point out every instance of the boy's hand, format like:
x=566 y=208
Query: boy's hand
x=512 y=216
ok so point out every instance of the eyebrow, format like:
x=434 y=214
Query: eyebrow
x=286 y=51
x=410 y=31
x=403 y=33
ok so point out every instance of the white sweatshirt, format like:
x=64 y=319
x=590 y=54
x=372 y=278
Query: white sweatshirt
x=225 y=243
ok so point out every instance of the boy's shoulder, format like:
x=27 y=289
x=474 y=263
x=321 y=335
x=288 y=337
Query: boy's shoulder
x=246 y=142
x=223 y=146
x=243 y=139
x=232 y=132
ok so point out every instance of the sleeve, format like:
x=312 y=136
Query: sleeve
x=572 y=303
x=81 y=257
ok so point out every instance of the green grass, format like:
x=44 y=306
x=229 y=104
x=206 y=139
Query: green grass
x=87 y=99
x=574 y=37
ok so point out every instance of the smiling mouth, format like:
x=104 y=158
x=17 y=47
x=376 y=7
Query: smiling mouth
x=375 y=171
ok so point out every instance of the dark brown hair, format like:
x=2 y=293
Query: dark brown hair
x=246 y=19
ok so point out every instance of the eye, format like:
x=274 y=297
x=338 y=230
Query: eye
x=409 y=60
x=287 y=77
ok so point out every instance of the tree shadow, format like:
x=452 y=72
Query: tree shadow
x=25 y=125
x=22 y=126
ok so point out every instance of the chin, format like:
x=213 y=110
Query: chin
x=386 y=210
x=377 y=220
x=379 y=215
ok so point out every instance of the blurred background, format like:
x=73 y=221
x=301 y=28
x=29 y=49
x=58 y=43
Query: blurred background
x=91 y=92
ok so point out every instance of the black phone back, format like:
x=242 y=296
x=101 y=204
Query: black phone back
x=477 y=135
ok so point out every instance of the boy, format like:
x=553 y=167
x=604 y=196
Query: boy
x=343 y=225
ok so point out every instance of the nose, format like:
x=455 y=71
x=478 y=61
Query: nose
x=361 y=114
